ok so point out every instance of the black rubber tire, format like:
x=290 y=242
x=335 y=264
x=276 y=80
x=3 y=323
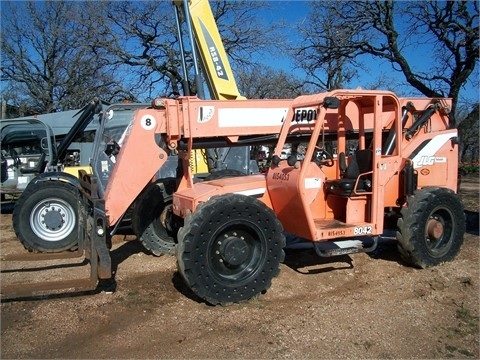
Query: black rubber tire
x=230 y=249
x=431 y=227
x=222 y=174
x=45 y=217
x=152 y=208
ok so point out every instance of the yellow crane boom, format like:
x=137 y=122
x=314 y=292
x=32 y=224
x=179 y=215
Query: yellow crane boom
x=207 y=41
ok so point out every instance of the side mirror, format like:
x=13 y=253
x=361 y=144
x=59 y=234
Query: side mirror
x=331 y=103
x=44 y=143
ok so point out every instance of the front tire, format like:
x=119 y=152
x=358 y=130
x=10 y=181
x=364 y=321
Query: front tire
x=45 y=217
x=230 y=249
x=431 y=228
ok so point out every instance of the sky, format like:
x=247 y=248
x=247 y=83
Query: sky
x=296 y=11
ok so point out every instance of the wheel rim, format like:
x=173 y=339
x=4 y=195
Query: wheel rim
x=165 y=218
x=439 y=231
x=52 y=219
x=236 y=253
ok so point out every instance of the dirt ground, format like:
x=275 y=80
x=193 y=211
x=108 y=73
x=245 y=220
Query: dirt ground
x=357 y=306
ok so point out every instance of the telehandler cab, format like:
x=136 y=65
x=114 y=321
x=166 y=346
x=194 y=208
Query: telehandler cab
x=231 y=232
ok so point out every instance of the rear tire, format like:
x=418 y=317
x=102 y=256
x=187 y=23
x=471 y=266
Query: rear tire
x=230 y=249
x=152 y=218
x=222 y=174
x=45 y=217
x=431 y=228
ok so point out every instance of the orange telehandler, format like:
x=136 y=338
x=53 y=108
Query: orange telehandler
x=231 y=232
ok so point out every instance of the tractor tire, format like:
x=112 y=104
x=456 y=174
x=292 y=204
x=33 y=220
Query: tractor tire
x=225 y=173
x=431 y=227
x=151 y=218
x=45 y=217
x=230 y=249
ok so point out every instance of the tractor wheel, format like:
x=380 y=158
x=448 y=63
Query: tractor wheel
x=230 y=249
x=152 y=218
x=431 y=228
x=45 y=217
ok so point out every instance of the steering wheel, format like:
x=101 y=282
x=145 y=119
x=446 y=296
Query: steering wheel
x=322 y=157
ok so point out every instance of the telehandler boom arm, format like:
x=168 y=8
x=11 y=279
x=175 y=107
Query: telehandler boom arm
x=178 y=125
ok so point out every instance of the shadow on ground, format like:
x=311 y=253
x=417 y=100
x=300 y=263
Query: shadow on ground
x=472 y=222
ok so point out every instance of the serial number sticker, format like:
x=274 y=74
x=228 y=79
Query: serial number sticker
x=362 y=230
x=148 y=122
x=280 y=176
x=336 y=233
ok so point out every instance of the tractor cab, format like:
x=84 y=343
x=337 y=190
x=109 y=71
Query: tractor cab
x=27 y=147
x=342 y=183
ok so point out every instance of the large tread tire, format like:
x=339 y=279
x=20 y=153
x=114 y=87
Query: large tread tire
x=230 y=249
x=431 y=227
x=45 y=217
x=150 y=217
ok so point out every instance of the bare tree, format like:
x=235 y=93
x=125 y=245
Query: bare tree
x=469 y=131
x=141 y=36
x=444 y=34
x=57 y=55
x=140 y=40
x=321 y=49
x=244 y=32
x=48 y=60
x=267 y=83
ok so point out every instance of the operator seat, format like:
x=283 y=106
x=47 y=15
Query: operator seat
x=360 y=163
